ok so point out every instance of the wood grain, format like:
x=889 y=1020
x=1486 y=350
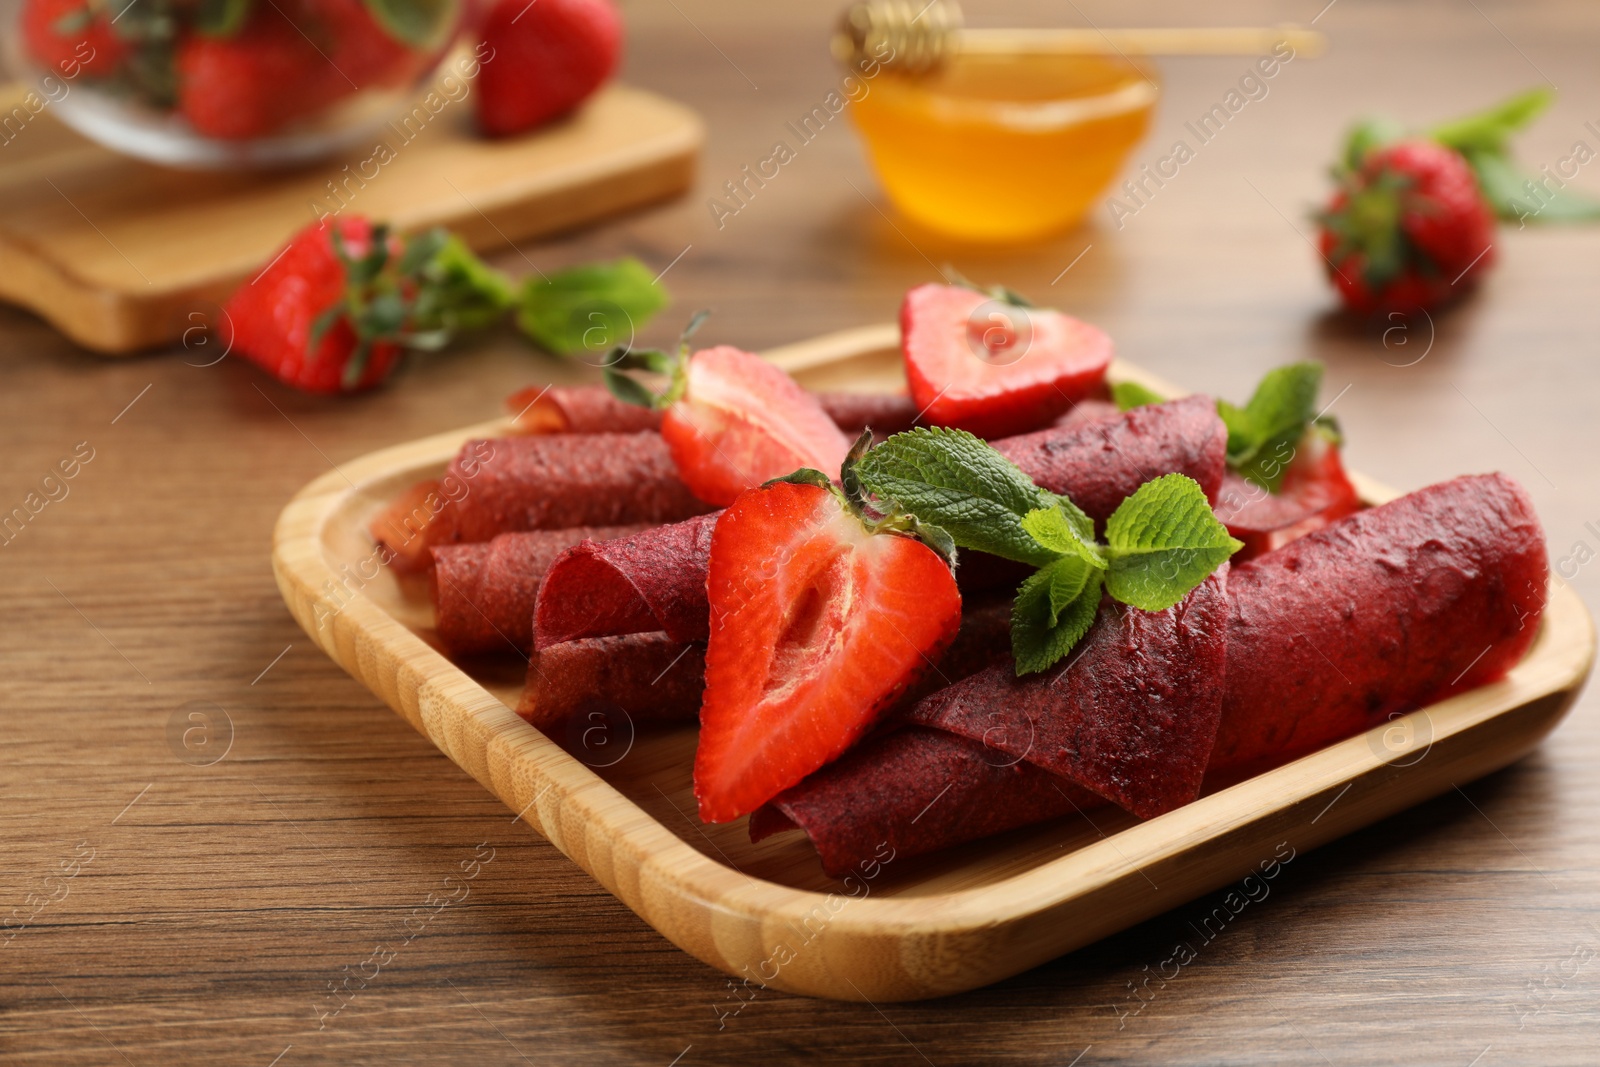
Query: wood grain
x=764 y=912
x=221 y=903
x=118 y=255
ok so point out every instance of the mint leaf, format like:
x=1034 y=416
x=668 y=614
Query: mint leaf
x=955 y=481
x=1505 y=187
x=1490 y=128
x=417 y=23
x=1130 y=395
x=1263 y=434
x=1162 y=542
x=589 y=309
x=1055 y=607
x=1066 y=530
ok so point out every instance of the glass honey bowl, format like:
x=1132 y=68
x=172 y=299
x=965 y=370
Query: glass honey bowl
x=1005 y=148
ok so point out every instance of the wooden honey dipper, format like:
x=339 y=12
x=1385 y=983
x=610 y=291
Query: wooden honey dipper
x=923 y=34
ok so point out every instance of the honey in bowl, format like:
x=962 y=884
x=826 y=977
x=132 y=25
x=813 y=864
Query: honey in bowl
x=1004 y=148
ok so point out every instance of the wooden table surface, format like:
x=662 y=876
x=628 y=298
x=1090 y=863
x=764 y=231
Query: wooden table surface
x=222 y=891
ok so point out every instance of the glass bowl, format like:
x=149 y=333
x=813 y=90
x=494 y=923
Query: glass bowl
x=228 y=83
x=1004 y=148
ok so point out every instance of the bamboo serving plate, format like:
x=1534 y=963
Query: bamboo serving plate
x=912 y=927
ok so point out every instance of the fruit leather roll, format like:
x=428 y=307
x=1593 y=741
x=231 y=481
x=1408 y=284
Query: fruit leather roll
x=1380 y=613
x=1099 y=463
x=554 y=482
x=592 y=409
x=883 y=413
x=1130 y=717
x=915 y=790
x=483 y=593
x=576 y=409
x=657 y=581
x=652 y=580
x=545 y=482
x=639 y=678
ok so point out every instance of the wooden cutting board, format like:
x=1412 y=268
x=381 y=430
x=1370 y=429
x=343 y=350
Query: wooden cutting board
x=924 y=926
x=121 y=255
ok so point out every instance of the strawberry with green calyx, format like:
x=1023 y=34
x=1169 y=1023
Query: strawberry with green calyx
x=1160 y=543
x=335 y=309
x=988 y=362
x=1407 y=229
x=1285 y=477
x=822 y=615
x=732 y=420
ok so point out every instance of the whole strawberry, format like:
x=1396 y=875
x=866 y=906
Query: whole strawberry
x=549 y=55
x=1408 y=229
x=69 y=37
x=254 y=81
x=334 y=310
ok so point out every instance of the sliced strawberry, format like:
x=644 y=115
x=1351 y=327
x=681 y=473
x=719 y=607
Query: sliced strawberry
x=995 y=370
x=732 y=420
x=817 y=625
x=1315 y=492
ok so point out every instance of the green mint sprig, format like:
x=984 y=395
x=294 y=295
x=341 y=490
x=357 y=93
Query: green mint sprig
x=592 y=308
x=1160 y=543
x=1264 y=434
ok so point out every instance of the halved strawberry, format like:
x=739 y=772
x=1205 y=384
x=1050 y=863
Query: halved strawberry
x=987 y=363
x=732 y=420
x=817 y=625
x=1315 y=492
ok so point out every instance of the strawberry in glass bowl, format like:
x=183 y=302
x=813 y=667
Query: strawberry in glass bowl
x=230 y=83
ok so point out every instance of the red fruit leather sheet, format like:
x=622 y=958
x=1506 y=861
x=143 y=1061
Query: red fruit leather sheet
x=1382 y=612
x=557 y=481
x=1131 y=715
x=591 y=409
x=484 y=593
x=652 y=580
x=627 y=681
x=1100 y=463
x=576 y=409
x=915 y=790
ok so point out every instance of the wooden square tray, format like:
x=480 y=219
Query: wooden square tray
x=121 y=255
x=919 y=927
